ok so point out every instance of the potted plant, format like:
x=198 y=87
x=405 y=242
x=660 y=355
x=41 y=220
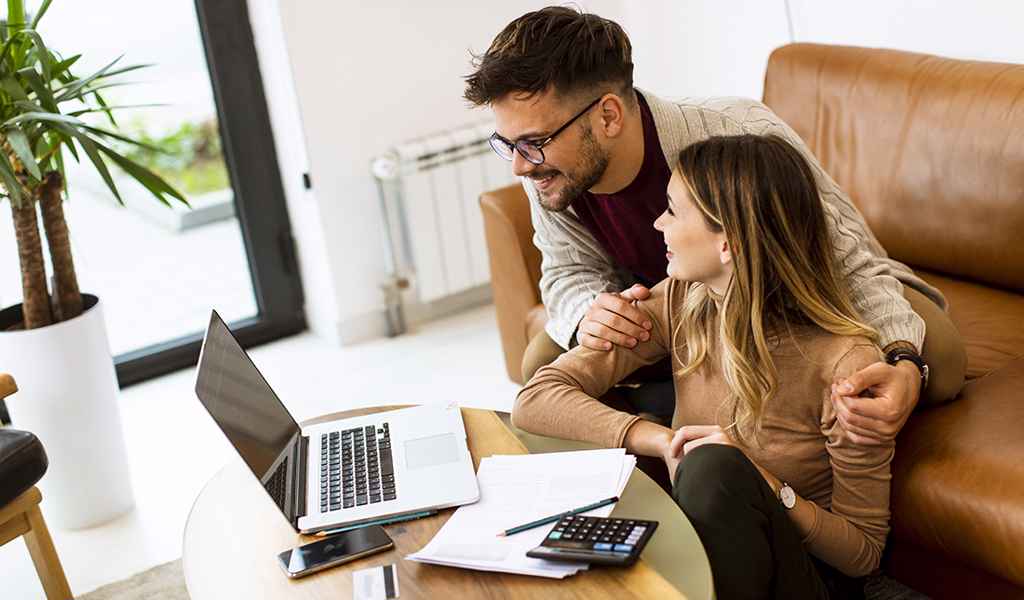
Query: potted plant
x=55 y=341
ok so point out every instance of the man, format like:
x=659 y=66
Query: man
x=595 y=154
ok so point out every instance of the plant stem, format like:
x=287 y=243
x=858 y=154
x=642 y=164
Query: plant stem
x=35 y=296
x=16 y=22
x=69 y=298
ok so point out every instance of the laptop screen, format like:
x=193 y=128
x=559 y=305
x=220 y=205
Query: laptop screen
x=241 y=402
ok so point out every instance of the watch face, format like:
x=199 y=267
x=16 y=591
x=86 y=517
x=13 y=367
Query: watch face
x=788 y=496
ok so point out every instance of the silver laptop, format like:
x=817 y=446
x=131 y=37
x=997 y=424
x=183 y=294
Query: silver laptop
x=337 y=473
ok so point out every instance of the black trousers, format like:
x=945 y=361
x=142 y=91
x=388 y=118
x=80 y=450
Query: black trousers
x=753 y=546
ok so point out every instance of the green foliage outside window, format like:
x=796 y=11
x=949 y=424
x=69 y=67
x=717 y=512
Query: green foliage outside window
x=190 y=156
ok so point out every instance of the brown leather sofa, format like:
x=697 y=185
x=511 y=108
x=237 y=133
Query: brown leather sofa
x=932 y=152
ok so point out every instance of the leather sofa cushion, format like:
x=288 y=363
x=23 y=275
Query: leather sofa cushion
x=22 y=463
x=928 y=148
x=991 y=322
x=958 y=477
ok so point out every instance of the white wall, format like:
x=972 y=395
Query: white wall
x=982 y=29
x=703 y=48
x=367 y=76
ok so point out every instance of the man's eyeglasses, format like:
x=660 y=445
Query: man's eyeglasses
x=531 y=150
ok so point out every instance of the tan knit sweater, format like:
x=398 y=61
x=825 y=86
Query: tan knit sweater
x=801 y=441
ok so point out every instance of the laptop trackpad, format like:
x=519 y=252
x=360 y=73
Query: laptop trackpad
x=430 y=451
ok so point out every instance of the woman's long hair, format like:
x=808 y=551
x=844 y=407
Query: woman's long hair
x=761 y=192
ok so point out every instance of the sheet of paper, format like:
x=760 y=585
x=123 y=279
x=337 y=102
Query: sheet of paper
x=519 y=489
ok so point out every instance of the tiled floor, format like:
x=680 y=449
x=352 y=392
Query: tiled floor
x=174 y=447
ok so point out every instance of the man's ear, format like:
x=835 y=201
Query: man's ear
x=724 y=252
x=611 y=111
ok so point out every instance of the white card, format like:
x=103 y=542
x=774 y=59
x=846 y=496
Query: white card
x=375 y=583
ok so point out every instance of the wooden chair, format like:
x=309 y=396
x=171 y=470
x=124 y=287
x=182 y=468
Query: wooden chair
x=22 y=517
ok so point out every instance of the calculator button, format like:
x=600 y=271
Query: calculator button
x=601 y=546
x=623 y=548
x=606 y=538
x=574 y=545
x=555 y=535
x=619 y=539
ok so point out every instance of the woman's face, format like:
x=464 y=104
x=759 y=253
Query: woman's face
x=695 y=252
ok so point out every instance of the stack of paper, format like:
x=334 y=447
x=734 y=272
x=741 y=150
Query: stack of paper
x=518 y=489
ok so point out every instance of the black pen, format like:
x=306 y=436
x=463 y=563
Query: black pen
x=557 y=517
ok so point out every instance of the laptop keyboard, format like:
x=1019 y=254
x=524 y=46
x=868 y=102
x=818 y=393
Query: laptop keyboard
x=275 y=486
x=356 y=468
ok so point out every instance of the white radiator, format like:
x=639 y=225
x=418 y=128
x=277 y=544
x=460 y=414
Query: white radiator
x=430 y=190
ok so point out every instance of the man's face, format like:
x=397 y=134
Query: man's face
x=573 y=162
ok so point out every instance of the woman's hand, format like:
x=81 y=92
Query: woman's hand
x=687 y=438
x=671 y=462
x=691 y=436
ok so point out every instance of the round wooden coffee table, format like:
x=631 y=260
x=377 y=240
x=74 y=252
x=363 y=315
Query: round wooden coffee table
x=234 y=533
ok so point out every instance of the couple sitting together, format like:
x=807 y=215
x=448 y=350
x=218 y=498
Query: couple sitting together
x=796 y=348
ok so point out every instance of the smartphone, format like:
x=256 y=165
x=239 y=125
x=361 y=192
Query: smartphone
x=334 y=550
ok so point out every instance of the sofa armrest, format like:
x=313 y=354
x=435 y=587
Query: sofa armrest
x=515 y=268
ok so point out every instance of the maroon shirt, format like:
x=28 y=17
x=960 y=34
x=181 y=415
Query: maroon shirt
x=623 y=222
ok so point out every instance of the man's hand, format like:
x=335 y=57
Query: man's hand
x=874 y=418
x=613 y=319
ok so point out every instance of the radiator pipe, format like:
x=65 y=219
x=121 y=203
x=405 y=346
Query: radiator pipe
x=385 y=168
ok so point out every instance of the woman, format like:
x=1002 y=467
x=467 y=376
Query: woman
x=758 y=324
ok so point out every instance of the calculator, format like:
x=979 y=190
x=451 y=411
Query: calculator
x=596 y=540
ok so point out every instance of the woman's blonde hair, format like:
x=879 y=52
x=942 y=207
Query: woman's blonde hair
x=762 y=193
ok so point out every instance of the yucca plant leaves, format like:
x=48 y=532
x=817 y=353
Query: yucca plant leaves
x=43 y=93
x=153 y=182
x=90 y=150
x=64 y=65
x=13 y=88
x=120 y=138
x=34 y=83
x=108 y=110
x=10 y=181
x=39 y=13
x=23 y=150
x=41 y=54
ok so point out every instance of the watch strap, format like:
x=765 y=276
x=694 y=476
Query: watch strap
x=899 y=353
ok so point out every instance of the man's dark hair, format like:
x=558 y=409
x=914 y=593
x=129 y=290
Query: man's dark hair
x=558 y=47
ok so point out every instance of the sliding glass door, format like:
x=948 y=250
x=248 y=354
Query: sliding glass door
x=160 y=271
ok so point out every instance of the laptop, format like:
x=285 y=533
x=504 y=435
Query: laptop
x=338 y=473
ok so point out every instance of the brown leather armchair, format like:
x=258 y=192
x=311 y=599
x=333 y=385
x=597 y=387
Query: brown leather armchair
x=932 y=152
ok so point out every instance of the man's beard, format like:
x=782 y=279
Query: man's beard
x=593 y=161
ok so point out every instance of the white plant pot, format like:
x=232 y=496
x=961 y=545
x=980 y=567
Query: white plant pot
x=68 y=398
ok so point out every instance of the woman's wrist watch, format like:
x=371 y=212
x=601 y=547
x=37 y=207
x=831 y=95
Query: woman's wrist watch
x=787 y=496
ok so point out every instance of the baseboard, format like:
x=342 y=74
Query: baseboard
x=362 y=328
x=374 y=324
x=417 y=313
